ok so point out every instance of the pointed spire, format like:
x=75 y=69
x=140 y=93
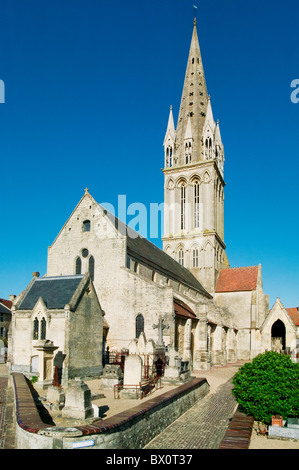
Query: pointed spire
x=170 y=132
x=194 y=100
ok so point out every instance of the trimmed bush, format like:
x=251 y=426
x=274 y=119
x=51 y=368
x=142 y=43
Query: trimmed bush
x=267 y=386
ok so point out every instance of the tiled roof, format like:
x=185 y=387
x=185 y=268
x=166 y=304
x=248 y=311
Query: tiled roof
x=7 y=303
x=5 y=306
x=237 y=279
x=180 y=308
x=294 y=314
x=55 y=291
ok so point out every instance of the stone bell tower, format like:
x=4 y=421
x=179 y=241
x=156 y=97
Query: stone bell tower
x=194 y=184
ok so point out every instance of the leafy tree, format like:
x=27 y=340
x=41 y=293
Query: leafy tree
x=267 y=386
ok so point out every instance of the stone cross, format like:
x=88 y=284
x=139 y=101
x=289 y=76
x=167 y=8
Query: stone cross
x=160 y=326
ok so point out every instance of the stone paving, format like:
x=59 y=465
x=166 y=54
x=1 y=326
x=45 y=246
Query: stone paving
x=201 y=427
x=7 y=423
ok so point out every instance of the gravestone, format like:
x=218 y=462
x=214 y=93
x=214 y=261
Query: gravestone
x=55 y=397
x=133 y=347
x=112 y=375
x=173 y=368
x=132 y=376
x=77 y=400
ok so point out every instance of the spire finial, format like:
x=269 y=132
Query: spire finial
x=194 y=11
x=86 y=190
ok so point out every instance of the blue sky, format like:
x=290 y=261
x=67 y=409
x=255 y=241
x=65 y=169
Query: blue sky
x=88 y=85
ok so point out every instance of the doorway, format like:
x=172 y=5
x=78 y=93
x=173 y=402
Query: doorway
x=278 y=336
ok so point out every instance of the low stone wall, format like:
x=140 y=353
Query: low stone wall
x=131 y=429
x=238 y=434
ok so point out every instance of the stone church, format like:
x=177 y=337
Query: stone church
x=215 y=314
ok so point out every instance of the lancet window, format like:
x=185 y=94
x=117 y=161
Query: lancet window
x=169 y=157
x=183 y=205
x=196 y=204
x=78 y=265
x=195 y=258
x=139 y=325
x=181 y=257
x=91 y=267
x=188 y=152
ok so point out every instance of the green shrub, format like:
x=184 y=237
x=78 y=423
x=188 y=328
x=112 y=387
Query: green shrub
x=267 y=386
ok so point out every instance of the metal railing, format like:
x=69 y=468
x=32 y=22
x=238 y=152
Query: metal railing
x=142 y=389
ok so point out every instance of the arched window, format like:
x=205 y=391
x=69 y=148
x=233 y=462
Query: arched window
x=136 y=267
x=35 y=328
x=183 y=205
x=139 y=325
x=78 y=266
x=43 y=330
x=196 y=204
x=86 y=226
x=169 y=156
x=181 y=257
x=91 y=267
x=188 y=152
x=195 y=258
x=209 y=148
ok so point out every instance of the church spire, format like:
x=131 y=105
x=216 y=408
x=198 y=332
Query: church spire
x=193 y=103
x=169 y=141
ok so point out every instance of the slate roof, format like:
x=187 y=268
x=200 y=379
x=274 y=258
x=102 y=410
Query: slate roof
x=237 y=279
x=56 y=291
x=146 y=252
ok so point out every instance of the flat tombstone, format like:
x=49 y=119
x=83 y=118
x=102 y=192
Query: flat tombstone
x=133 y=370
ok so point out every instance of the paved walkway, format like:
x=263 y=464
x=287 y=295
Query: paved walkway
x=7 y=422
x=201 y=427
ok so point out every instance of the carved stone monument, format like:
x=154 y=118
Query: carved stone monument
x=160 y=326
x=45 y=350
x=112 y=375
x=77 y=400
x=173 y=368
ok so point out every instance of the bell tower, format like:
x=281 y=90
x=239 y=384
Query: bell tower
x=193 y=179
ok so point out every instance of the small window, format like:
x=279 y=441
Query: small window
x=43 y=331
x=86 y=226
x=78 y=265
x=91 y=267
x=85 y=252
x=35 y=328
x=181 y=257
x=139 y=325
x=195 y=258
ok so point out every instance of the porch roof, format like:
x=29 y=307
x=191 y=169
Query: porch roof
x=182 y=309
